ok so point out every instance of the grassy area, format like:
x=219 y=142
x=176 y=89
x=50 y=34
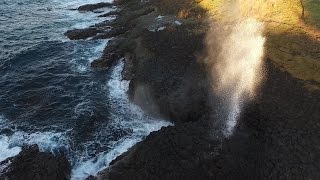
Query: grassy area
x=312 y=12
x=293 y=37
x=293 y=40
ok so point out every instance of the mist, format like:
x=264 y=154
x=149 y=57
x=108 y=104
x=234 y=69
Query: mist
x=235 y=50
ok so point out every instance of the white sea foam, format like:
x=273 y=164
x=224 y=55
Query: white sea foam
x=159 y=17
x=47 y=141
x=97 y=50
x=124 y=114
x=161 y=28
x=76 y=3
x=178 y=23
x=5 y=150
x=94 y=165
x=73 y=19
x=10 y=145
x=85 y=52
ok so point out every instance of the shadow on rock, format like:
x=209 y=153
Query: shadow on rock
x=31 y=164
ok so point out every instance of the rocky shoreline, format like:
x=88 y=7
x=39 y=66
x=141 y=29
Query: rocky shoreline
x=277 y=136
x=30 y=163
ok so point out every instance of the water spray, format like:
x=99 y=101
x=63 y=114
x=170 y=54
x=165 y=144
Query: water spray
x=235 y=57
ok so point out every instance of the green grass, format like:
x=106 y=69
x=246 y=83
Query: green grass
x=292 y=42
x=313 y=12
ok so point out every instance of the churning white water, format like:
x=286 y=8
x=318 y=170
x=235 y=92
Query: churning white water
x=51 y=97
x=10 y=145
x=124 y=114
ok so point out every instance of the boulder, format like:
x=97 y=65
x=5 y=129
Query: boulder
x=77 y=34
x=92 y=7
x=31 y=164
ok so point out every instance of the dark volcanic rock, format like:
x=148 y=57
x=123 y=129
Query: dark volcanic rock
x=111 y=13
x=166 y=79
x=91 y=178
x=92 y=7
x=31 y=164
x=276 y=138
x=171 y=153
x=171 y=78
x=76 y=34
x=111 y=33
x=128 y=70
x=106 y=61
x=113 y=52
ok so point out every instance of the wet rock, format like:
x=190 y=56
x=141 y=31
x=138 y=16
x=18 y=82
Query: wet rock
x=271 y=141
x=166 y=80
x=116 y=49
x=92 y=7
x=111 y=33
x=128 y=70
x=111 y=13
x=111 y=54
x=77 y=34
x=277 y=136
x=31 y=164
x=106 y=61
x=171 y=77
x=91 y=178
x=167 y=154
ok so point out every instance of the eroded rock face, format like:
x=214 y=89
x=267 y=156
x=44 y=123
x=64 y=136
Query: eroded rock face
x=171 y=153
x=92 y=7
x=31 y=164
x=176 y=83
x=160 y=57
x=77 y=34
x=111 y=54
x=276 y=138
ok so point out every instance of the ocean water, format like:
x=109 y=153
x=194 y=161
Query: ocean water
x=50 y=96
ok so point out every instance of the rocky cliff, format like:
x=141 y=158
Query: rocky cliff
x=161 y=42
x=30 y=163
x=277 y=136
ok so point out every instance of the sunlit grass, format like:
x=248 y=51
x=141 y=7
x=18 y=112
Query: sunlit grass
x=313 y=12
x=293 y=41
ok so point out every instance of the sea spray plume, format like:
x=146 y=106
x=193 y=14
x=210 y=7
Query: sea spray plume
x=235 y=52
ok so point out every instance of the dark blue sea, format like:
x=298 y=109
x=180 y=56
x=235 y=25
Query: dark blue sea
x=50 y=96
